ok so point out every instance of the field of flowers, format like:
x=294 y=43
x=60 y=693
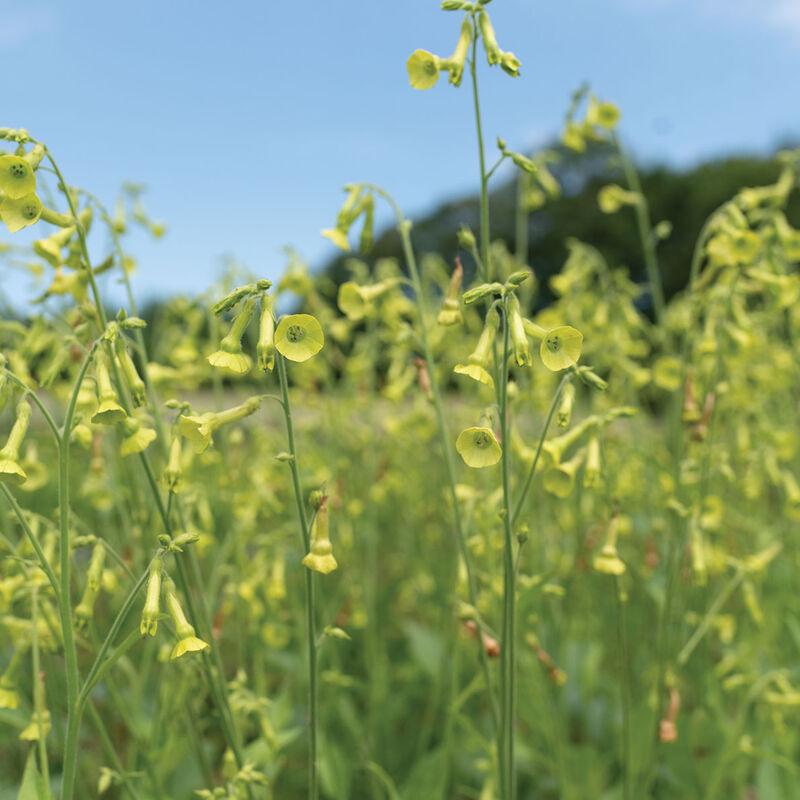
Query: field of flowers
x=422 y=535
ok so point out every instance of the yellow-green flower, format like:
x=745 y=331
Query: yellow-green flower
x=476 y=372
x=137 y=437
x=667 y=373
x=109 y=411
x=17 y=178
x=519 y=340
x=455 y=64
x=230 y=355
x=423 y=69
x=299 y=337
x=608 y=561
x=479 y=447
x=355 y=300
x=265 y=349
x=199 y=429
x=559 y=479
x=561 y=348
x=338 y=237
x=612 y=197
x=188 y=641
x=320 y=556
x=38 y=727
x=18 y=213
x=602 y=114
x=148 y=625
x=10 y=469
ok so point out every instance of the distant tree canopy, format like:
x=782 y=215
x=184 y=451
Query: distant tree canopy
x=684 y=198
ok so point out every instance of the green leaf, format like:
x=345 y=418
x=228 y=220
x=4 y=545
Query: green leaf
x=33 y=786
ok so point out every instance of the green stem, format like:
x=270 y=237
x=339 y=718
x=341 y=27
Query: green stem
x=624 y=684
x=311 y=635
x=484 y=210
x=38 y=687
x=646 y=235
x=507 y=645
x=532 y=470
x=404 y=228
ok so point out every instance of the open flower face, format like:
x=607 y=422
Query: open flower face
x=299 y=337
x=423 y=69
x=561 y=348
x=16 y=177
x=18 y=213
x=478 y=447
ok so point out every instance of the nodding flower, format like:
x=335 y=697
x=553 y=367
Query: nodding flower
x=10 y=469
x=592 y=472
x=109 y=411
x=565 y=405
x=450 y=313
x=9 y=696
x=148 y=624
x=84 y=611
x=199 y=429
x=320 y=556
x=494 y=55
x=137 y=437
x=355 y=301
x=188 y=641
x=174 y=469
x=479 y=359
x=519 y=339
x=359 y=201
x=230 y=355
x=607 y=560
x=130 y=373
x=559 y=479
x=265 y=349
x=455 y=64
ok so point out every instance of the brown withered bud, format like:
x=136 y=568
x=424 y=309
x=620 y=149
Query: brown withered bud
x=490 y=645
x=423 y=377
x=667 y=729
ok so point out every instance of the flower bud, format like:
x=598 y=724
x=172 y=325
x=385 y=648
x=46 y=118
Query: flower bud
x=152 y=604
x=265 y=349
x=565 y=405
x=108 y=411
x=10 y=469
x=129 y=372
x=174 y=470
x=188 y=641
x=320 y=556
x=450 y=313
x=230 y=355
x=519 y=340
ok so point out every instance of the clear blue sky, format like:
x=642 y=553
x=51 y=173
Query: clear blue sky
x=244 y=119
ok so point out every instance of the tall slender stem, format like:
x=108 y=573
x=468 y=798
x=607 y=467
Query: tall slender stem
x=310 y=600
x=484 y=209
x=404 y=228
x=646 y=236
x=507 y=645
x=624 y=682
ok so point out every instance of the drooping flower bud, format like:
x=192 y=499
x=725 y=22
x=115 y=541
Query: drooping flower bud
x=188 y=641
x=320 y=556
x=608 y=560
x=519 y=340
x=130 y=373
x=265 y=349
x=152 y=604
x=450 y=313
x=565 y=405
x=109 y=411
x=230 y=355
x=10 y=469
x=84 y=611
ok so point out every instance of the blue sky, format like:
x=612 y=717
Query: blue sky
x=244 y=119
